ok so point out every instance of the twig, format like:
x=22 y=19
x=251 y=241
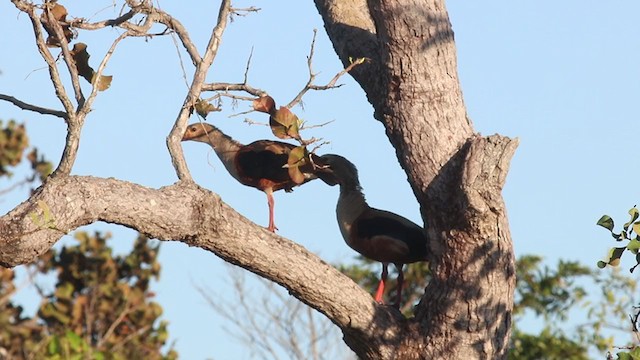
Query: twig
x=244 y=11
x=304 y=127
x=81 y=24
x=234 y=87
x=46 y=55
x=251 y=122
x=202 y=67
x=126 y=311
x=25 y=106
x=84 y=110
x=330 y=85
x=66 y=53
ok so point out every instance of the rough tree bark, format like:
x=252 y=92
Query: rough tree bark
x=456 y=175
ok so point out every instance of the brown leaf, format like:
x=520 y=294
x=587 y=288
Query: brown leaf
x=284 y=124
x=59 y=13
x=81 y=57
x=264 y=104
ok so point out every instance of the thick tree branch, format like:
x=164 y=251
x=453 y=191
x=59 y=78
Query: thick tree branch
x=457 y=177
x=353 y=34
x=187 y=213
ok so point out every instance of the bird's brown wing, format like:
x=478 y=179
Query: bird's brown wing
x=387 y=237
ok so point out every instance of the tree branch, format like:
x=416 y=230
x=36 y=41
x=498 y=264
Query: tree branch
x=66 y=53
x=202 y=67
x=24 y=106
x=61 y=93
x=187 y=213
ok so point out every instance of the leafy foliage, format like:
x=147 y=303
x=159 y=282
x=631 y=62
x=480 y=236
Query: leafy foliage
x=101 y=306
x=13 y=143
x=630 y=233
x=549 y=293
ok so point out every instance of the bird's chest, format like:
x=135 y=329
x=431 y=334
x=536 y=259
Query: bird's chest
x=347 y=213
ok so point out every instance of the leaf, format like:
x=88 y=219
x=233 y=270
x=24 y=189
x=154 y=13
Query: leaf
x=53 y=347
x=81 y=57
x=634 y=216
x=203 y=108
x=614 y=255
x=633 y=246
x=264 y=104
x=636 y=227
x=606 y=222
x=297 y=158
x=64 y=291
x=75 y=341
x=59 y=13
x=284 y=124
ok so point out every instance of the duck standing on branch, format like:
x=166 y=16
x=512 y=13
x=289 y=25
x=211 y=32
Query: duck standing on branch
x=263 y=164
x=376 y=234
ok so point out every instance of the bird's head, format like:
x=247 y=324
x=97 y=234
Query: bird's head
x=198 y=132
x=335 y=169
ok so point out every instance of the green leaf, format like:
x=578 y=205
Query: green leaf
x=624 y=356
x=74 y=340
x=203 y=108
x=54 y=345
x=64 y=291
x=633 y=246
x=636 y=227
x=606 y=222
x=297 y=158
x=634 y=216
x=635 y=353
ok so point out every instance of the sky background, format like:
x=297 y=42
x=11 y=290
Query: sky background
x=563 y=77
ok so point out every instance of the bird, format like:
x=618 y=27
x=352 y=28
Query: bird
x=261 y=164
x=376 y=234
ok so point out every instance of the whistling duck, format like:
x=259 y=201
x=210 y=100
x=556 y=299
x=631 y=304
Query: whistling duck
x=261 y=164
x=376 y=234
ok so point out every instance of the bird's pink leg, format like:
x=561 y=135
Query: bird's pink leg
x=383 y=278
x=400 y=283
x=272 y=224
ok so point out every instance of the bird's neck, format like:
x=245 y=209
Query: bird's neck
x=351 y=204
x=225 y=147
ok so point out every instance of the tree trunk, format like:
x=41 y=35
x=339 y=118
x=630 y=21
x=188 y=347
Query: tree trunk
x=457 y=176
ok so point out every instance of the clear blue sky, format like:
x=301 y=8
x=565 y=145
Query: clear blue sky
x=563 y=77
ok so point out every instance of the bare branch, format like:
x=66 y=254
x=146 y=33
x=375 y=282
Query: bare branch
x=61 y=93
x=244 y=11
x=66 y=53
x=120 y=20
x=25 y=106
x=84 y=110
x=234 y=87
x=202 y=67
x=312 y=76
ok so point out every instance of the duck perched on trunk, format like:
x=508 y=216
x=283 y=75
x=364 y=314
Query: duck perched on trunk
x=261 y=164
x=376 y=234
